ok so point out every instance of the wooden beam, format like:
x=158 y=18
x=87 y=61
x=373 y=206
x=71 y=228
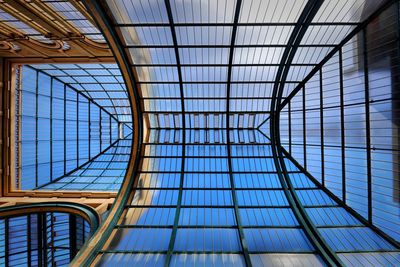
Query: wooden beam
x=103 y=207
x=61 y=21
x=8 y=32
x=61 y=59
x=50 y=24
x=25 y=13
x=59 y=194
x=3 y=132
x=97 y=204
x=57 y=20
x=7 y=204
x=77 y=49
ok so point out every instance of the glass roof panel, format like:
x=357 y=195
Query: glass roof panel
x=143 y=56
x=326 y=34
x=187 y=11
x=147 y=36
x=257 y=55
x=346 y=11
x=157 y=74
x=204 y=35
x=262 y=11
x=201 y=56
x=143 y=11
x=263 y=35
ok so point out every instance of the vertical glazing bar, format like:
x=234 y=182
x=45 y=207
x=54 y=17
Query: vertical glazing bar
x=321 y=121
x=65 y=128
x=304 y=128
x=39 y=234
x=290 y=126
x=89 y=130
x=6 y=242
x=72 y=237
x=342 y=130
x=44 y=240
x=367 y=125
x=77 y=130
x=52 y=235
x=395 y=63
x=110 y=121
x=36 y=131
x=19 y=131
x=29 y=240
x=51 y=128
x=101 y=130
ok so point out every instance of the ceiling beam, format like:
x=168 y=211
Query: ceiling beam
x=48 y=22
x=35 y=19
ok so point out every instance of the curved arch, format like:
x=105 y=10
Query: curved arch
x=228 y=142
x=95 y=44
x=306 y=17
x=88 y=254
x=9 y=46
x=181 y=91
x=54 y=44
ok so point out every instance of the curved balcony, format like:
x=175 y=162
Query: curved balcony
x=44 y=234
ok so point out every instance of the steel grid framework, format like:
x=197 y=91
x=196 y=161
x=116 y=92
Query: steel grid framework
x=178 y=161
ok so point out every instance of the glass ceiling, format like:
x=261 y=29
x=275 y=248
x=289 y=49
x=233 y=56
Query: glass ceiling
x=207 y=187
x=210 y=188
